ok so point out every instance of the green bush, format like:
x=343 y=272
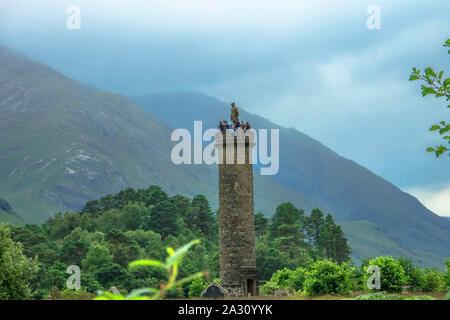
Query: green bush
x=433 y=280
x=82 y=294
x=447 y=297
x=416 y=279
x=16 y=269
x=281 y=277
x=392 y=274
x=196 y=287
x=447 y=273
x=326 y=276
x=269 y=288
x=297 y=279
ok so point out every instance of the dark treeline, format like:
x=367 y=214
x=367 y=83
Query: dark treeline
x=109 y=233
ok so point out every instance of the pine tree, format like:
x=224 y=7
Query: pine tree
x=203 y=217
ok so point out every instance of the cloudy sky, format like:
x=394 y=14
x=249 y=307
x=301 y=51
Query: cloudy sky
x=311 y=65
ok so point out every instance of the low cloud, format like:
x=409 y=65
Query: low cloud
x=434 y=198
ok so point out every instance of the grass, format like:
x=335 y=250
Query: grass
x=363 y=295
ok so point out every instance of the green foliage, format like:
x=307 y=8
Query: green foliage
x=261 y=225
x=281 y=278
x=81 y=294
x=163 y=219
x=287 y=279
x=202 y=217
x=294 y=240
x=447 y=272
x=437 y=85
x=16 y=270
x=416 y=279
x=109 y=233
x=327 y=277
x=387 y=296
x=379 y=296
x=169 y=289
x=196 y=287
x=269 y=288
x=297 y=279
x=421 y=298
x=433 y=280
x=393 y=276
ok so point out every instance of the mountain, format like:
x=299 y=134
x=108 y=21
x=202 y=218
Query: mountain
x=378 y=217
x=64 y=143
x=7 y=213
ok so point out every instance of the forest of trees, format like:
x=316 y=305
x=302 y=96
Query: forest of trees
x=109 y=233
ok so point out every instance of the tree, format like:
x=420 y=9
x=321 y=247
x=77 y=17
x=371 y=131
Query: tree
x=433 y=280
x=416 y=278
x=97 y=256
x=286 y=228
x=261 y=225
x=326 y=276
x=392 y=274
x=203 y=217
x=438 y=86
x=16 y=269
x=35 y=242
x=155 y=195
x=269 y=260
x=297 y=279
x=343 y=250
x=447 y=272
x=196 y=287
x=163 y=219
x=123 y=249
x=326 y=238
x=314 y=224
x=132 y=215
x=281 y=278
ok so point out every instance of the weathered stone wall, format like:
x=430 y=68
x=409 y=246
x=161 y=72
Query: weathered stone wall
x=236 y=213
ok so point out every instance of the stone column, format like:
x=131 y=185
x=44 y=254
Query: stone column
x=238 y=272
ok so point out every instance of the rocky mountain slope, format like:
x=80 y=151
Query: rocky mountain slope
x=64 y=143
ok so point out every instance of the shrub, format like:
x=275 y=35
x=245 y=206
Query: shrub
x=392 y=274
x=416 y=279
x=82 y=294
x=433 y=280
x=447 y=297
x=297 y=279
x=447 y=273
x=196 y=287
x=16 y=269
x=281 y=278
x=269 y=288
x=326 y=276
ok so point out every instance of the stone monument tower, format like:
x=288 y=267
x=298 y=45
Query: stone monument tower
x=238 y=272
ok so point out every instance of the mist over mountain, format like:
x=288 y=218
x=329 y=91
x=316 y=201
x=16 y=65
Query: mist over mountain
x=376 y=215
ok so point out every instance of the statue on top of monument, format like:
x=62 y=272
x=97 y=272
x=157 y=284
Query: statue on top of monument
x=234 y=113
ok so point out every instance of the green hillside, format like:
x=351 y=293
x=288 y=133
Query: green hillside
x=64 y=143
x=8 y=215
